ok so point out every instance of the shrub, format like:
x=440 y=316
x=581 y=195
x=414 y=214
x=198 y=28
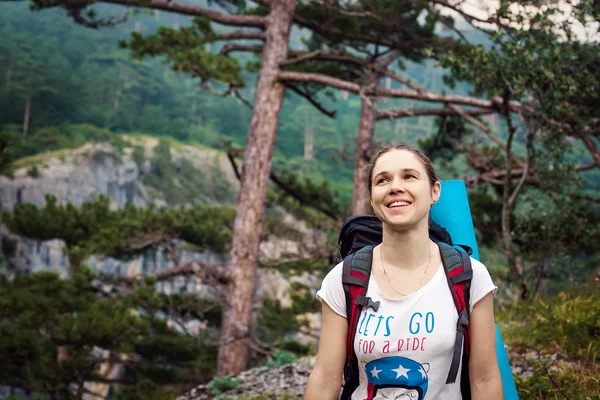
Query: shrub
x=567 y=323
x=220 y=385
x=577 y=381
x=281 y=357
x=33 y=172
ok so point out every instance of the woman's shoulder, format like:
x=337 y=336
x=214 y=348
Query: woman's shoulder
x=335 y=273
x=476 y=264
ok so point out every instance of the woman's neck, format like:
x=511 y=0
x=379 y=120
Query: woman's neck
x=406 y=249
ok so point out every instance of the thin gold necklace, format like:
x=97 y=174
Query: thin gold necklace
x=388 y=279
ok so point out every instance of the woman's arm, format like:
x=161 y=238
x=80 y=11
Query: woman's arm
x=484 y=373
x=325 y=379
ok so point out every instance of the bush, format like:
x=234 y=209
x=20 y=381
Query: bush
x=577 y=381
x=220 y=385
x=568 y=328
x=281 y=357
x=568 y=323
x=33 y=172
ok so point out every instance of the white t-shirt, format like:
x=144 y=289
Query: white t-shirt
x=405 y=348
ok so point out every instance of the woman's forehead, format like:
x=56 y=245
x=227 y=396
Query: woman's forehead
x=398 y=159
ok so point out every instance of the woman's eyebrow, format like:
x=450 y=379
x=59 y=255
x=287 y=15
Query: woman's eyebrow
x=404 y=170
x=380 y=173
x=411 y=170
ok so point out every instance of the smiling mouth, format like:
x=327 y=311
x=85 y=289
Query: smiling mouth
x=399 y=204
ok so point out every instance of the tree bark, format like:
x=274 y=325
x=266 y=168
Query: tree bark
x=9 y=71
x=243 y=259
x=591 y=146
x=364 y=141
x=27 y=115
x=508 y=201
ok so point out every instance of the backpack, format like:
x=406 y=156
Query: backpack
x=358 y=236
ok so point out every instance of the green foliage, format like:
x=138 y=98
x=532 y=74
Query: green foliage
x=138 y=155
x=303 y=300
x=184 y=50
x=219 y=385
x=562 y=381
x=73 y=225
x=281 y=357
x=40 y=313
x=94 y=228
x=54 y=138
x=33 y=172
x=567 y=323
x=276 y=321
x=316 y=195
x=144 y=390
x=182 y=183
x=6 y=153
x=559 y=338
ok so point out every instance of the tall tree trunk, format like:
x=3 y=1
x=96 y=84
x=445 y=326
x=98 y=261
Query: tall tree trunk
x=237 y=315
x=364 y=142
x=308 y=139
x=508 y=201
x=9 y=71
x=116 y=100
x=27 y=115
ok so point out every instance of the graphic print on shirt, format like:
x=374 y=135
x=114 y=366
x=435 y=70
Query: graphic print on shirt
x=387 y=346
x=397 y=378
x=374 y=333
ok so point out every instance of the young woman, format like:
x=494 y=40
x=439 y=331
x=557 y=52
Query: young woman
x=405 y=347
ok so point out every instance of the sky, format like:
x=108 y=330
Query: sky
x=483 y=8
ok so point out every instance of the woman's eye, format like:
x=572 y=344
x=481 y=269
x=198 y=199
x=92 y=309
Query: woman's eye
x=411 y=176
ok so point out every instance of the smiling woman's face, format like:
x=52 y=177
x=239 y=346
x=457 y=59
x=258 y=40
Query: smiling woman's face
x=401 y=193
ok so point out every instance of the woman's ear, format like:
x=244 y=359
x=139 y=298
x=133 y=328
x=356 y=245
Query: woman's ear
x=436 y=192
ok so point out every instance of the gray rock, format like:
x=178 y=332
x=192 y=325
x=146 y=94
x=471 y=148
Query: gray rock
x=285 y=382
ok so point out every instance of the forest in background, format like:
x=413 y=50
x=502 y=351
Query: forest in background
x=67 y=75
x=75 y=75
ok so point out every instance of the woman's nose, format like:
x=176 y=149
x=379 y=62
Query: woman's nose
x=397 y=186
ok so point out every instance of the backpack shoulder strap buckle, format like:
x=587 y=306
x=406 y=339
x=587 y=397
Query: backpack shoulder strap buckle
x=366 y=302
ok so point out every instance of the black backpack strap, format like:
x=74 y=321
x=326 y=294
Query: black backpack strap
x=459 y=273
x=355 y=280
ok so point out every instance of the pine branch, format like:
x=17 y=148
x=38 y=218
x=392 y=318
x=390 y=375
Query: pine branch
x=74 y=11
x=204 y=86
x=345 y=57
x=311 y=100
x=241 y=98
x=287 y=189
x=217 y=274
x=187 y=9
x=421 y=95
x=232 y=47
x=483 y=127
x=358 y=14
x=277 y=264
x=471 y=19
x=441 y=112
x=196 y=268
x=171 y=6
x=591 y=146
x=241 y=34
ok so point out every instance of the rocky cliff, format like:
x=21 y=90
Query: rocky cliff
x=130 y=174
x=76 y=176
x=143 y=172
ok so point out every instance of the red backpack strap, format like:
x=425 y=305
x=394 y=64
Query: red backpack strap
x=355 y=280
x=459 y=273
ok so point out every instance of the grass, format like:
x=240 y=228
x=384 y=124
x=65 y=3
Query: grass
x=559 y=339
x=41 y=158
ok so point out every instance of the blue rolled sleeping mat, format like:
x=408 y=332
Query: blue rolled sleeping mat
x=452 y=211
